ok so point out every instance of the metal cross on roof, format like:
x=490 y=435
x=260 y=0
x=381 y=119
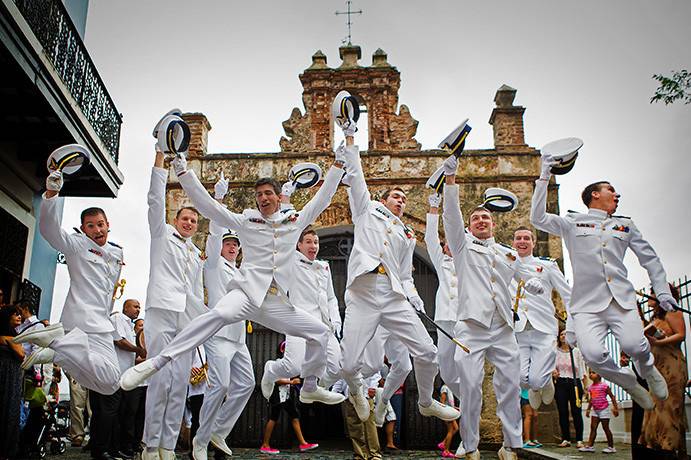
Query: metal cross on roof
x=349 y=12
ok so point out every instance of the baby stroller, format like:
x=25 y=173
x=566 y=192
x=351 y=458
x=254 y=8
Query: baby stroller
x=46 y=426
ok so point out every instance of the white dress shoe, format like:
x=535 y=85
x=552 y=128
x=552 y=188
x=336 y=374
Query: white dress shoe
x=199 y=452
x=437 y=409
x=135 y=376
x=150 y=454
x=321 y=395
x=41 y=337
x=219 y=443
x=548 y=392
x=657 y=384
x=40 y=356
x=534 y=398
x=268 y=382
x=507 y=455
x=460 y=452
x=641 y=396
x=166 y=454
x=474 y=455
x=361 y=405
x=380 y=412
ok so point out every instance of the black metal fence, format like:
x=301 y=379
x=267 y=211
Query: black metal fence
x=52 y=26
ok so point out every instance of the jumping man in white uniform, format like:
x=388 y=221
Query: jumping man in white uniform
x=485 y=269
x=230 y=374
x=83 y=340
x=603 y=298
x=259 y=290
x=537 y=329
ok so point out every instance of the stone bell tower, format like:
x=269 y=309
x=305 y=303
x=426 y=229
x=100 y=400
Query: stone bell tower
x=390 y=126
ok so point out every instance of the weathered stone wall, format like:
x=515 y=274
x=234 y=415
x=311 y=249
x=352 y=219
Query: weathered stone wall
x=393 y=157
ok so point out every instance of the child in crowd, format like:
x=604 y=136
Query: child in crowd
x=446 y=398
x=598 y=392
x=529 y=422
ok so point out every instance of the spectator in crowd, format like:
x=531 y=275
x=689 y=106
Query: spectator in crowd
x=126 y=350
x=565 y=390
x=139 y=393
x=598 y=392
x=363 y=435
x=446 y=397
x=29 y=323
x=79 y=411
x=284 y=398
x=11 y=356
x=665 y=426
x=529 y=422
x=375 y=388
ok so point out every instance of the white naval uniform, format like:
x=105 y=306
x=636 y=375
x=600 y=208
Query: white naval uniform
x=174 y=296
x=537 y=329
x=386 y=344
x=446 y=300
x=602 y=297
x=374 y=299
x=485 y=270
x=230 y=374
x=258 y=291
x=86 y=352
x=311 y=291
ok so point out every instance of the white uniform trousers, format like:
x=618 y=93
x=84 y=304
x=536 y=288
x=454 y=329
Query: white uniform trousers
x=167 y=390
x=230 y=376
x=294 y=356
x=385 y=344
x=591 y=331
x=538 y=352
x=90 y=359
x=498 y=345
x=445 y=356
x=371 y=302
x=275 y=313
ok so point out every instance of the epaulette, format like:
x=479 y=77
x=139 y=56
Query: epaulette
x=507 y=246
x=548 y=259
x=114 y=244
x=572 y=211
x=76 y=230
x=621 y=217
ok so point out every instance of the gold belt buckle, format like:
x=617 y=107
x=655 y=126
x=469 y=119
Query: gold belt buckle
x=381 y=270
x=273 y=290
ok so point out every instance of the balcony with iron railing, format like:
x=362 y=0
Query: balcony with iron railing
x=51 y=24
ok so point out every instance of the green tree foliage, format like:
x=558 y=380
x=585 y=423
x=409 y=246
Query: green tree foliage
x=671 y=89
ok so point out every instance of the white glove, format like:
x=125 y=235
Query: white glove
x=339 y=154
x=667 y=302
x=288 y=188
x=221 y=187
x=434 y=200
x=179 y=165
x=350 y=129
x=534 y=286
x=54 y=181
x=546 y=167
x=450 y=165
x=417 y=303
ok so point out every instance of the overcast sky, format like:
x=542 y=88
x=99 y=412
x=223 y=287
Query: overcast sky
x=581 y=69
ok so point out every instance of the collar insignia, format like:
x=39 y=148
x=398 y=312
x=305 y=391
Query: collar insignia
x=179 y=237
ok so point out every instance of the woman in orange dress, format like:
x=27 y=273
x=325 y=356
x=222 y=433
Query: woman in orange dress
x=665 y=426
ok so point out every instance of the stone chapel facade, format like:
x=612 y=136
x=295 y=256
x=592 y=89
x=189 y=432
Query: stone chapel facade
x=391 y=157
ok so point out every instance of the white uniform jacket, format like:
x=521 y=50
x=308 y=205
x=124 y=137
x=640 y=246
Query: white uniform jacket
x=597 y=243
x=447 y=294
x=538 y=308
x=218 y=273
x=175 y=274
x=485 y=268
x=380 y=238
x=93 y=270
x=268 y=243
x=313 y=290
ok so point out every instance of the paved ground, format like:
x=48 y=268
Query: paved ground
x=547 y=452
x=551 y=451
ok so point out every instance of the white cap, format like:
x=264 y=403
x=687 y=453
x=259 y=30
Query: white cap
x=305 y=175
x=69 y=159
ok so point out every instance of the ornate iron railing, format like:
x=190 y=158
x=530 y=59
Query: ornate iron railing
x=62 y=44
